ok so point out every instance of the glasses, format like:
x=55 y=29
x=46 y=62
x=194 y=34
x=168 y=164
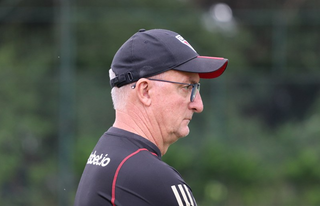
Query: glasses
x=195 y=87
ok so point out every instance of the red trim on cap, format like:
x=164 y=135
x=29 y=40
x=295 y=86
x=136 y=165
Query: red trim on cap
x=216 y=73
x=206 y=57
x=113 y=199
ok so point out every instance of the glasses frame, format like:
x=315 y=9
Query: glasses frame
x=195 y=87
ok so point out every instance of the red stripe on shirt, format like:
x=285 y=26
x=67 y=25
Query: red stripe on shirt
x=117 y=173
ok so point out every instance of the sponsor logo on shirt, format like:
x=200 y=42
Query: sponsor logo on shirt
x=98 y=160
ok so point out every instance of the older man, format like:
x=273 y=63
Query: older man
x=155 y=91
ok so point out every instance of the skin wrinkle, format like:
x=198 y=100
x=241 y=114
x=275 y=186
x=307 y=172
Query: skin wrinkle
x=147 y=121
x=131 y=121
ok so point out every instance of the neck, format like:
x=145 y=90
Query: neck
x=136 y=123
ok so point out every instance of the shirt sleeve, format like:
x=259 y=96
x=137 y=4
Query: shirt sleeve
x=145 y=180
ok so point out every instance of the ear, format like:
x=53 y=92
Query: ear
x=143 y=88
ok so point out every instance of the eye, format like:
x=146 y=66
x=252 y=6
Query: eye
x=188 y=87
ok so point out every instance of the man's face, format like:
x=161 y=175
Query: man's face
x=173 y=107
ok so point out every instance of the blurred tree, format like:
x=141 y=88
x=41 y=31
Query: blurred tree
x=255 y=144
x=27 y=118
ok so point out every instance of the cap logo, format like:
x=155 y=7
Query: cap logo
x=182 y=40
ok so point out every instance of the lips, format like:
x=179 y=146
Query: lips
x=189 y=119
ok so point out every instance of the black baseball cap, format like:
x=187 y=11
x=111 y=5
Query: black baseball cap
x=151 y=52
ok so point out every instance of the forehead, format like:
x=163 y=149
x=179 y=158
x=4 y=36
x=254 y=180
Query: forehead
x=182 y=76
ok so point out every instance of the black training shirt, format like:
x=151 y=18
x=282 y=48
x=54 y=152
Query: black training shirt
x=125 y=169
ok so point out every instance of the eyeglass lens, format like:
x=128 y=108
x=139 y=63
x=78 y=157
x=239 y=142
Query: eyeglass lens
x=195 y=89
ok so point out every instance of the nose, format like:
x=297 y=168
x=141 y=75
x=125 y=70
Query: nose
x=197 y=104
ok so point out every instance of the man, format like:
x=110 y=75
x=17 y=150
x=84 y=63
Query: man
x=155 y=91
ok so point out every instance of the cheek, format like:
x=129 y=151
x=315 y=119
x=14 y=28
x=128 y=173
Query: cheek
x=176 y=113
x=170 y=106
x=168 y=112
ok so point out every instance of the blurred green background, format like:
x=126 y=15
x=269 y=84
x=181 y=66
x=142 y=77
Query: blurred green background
x=257 y=142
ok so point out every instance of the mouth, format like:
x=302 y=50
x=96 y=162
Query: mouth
x=188 y=119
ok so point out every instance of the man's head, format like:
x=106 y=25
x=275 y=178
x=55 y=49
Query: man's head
x=155 y=85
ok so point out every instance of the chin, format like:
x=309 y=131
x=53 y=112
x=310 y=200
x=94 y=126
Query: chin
x=185 y=132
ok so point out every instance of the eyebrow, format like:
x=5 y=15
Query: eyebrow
x=193 y=78
x=193 y=81
x=190 y=81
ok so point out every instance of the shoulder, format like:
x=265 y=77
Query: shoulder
x=147 y=165
x=151 y=180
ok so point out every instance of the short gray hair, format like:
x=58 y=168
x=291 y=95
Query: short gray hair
x=120 y=95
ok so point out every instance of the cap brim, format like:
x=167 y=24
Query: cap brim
x=206 y=67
